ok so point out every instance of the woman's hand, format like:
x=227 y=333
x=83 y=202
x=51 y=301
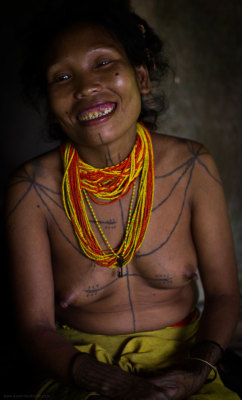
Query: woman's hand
x=180 y=382
x=113 y=383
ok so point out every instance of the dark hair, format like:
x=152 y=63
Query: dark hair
x=142 y=46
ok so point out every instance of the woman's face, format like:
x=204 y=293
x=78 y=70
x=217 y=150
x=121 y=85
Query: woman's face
x=94 y=93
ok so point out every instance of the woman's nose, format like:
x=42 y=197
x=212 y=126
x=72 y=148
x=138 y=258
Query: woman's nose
x=86 y=86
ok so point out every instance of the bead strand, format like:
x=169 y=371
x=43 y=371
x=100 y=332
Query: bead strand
x=110 y=183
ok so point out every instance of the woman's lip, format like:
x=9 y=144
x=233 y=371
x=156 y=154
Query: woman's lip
x=97 y=109
x=97 y=113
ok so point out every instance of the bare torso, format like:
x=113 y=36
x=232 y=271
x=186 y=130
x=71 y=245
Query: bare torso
x=158 y=287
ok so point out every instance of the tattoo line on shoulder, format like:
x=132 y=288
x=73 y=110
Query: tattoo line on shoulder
x=21 y=198
x=138 y=255
x=41 y=190
x=187 y=167
x=56 y=223
x=192 y=160
x=32 y=183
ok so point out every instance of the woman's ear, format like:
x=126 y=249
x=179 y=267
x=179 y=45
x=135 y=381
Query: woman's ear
x=143 y=79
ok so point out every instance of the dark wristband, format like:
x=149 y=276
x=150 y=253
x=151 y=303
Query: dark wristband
x=209 y=342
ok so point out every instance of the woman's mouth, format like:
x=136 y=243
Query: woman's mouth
x=99 y=111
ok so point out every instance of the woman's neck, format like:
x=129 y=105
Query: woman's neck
x=107 y=154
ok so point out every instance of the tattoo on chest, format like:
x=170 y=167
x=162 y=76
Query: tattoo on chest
x=185 y=173
x=51 y=201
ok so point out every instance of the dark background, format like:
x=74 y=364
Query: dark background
x=203 y=40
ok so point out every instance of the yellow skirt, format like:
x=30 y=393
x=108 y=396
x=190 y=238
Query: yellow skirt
x=136 y=353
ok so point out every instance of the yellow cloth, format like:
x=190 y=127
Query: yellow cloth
x=134 y=353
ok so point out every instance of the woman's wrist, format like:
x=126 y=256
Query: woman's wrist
x=206 y=367
x=208 y=350
x=75 y=367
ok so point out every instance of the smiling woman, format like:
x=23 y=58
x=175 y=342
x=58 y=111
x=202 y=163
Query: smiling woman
x=93 y=90
x=108 y=232
x=145 y=49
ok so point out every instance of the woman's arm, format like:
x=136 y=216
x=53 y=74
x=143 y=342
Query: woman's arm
x=32 y=279
x=34 y=299
x=217 y=266
x=216 y=256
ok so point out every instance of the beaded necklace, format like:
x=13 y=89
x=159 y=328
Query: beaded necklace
x=82 y=182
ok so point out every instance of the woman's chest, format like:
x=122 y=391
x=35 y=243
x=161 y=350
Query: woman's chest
x=165 y=259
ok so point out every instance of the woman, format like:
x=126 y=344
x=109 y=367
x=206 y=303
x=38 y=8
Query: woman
x=108 y=232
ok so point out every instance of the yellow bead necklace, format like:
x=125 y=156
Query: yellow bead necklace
x=82 y=181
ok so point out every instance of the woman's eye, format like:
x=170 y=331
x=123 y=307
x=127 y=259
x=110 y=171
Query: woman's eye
x=62 y=77
x=104 y=62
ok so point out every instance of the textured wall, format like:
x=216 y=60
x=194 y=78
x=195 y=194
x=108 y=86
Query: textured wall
x=203 y=39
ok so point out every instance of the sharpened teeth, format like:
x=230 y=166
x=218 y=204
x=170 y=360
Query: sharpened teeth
x=90 y=115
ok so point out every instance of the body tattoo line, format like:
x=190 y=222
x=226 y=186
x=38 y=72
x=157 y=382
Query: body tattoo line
x=173 y=187
x=49 y=197
x=55 y=221
x=175 y=169
x=20 y=200
x=127 y=275
x=209 y=173
x=108 y=156
x=48 y=189
x=98 y=289
x=176 y=222
x=189 y=164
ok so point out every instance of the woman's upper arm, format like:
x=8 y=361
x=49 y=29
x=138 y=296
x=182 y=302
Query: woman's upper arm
x=211 y=230
x=30 y=257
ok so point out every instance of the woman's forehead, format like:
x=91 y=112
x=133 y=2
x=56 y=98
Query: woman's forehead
x=83 y=38
x=86 y=36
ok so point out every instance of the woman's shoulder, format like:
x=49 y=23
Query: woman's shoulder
x=39 y=174
x=44 y=167
x=172 y=149
x=175 y=146
x=173 y=153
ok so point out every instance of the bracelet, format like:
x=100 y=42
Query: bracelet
x=210 y=365
x=70 y=367
x=212 y=342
